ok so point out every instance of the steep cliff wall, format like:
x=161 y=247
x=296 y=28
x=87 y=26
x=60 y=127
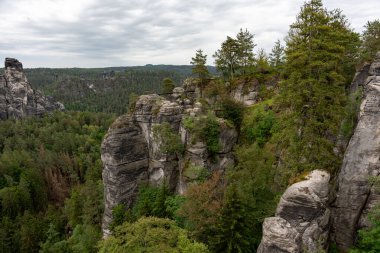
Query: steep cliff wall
x=131 y=154
x=17 y=98
x=355 y=196
x=305 y=216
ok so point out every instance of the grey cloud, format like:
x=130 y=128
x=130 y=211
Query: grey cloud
x=142 y=31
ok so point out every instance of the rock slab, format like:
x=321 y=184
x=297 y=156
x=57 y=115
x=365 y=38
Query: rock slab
x=301 y=223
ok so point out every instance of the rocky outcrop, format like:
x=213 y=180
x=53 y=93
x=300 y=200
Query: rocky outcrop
x=246 y=92
x=132 y=155
x=354 y=194
x=17 y=98
x=360 y=77
x=302 y=217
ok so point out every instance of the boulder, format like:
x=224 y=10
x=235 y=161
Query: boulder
x=302 y=218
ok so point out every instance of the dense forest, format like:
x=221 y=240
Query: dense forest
x=51 y=192
x=105 y=89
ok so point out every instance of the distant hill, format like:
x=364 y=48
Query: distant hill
x=104 y=89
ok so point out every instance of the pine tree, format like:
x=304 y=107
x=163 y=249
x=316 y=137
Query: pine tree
x=236 y=55
x=199 y=62
x=313 y=92
x=262 y=62
x=167 y=85
x=371 y=40
x=227 y=58
x=276 y=57
x=246 y=46
x=234 y=233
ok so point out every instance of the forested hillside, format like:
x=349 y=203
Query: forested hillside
x=50 y=182
x=104 y=89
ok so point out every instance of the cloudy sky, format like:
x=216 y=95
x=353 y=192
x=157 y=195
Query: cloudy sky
x=100 y=33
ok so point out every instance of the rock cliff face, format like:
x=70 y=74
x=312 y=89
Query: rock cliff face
x=17 y=98
x=131 y=155
x=305 y=216
x=355 y=196
x=302 y=218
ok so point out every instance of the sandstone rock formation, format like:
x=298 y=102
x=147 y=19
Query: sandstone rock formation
x=131 y=155
x=17 y=98
x=355 y=196
x=302 y=217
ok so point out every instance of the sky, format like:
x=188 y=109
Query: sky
x=103 y=33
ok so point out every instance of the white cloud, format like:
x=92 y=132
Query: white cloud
x=91 y=33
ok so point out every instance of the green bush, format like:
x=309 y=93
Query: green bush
x=232 y=110
x=170 y=142
x=259 y=125
x=205 y=129
x=150 y=235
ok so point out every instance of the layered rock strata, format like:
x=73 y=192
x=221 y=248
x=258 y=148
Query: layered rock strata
x=354 y=194
x=132 y=155
x=301 y=223
x=17 y=98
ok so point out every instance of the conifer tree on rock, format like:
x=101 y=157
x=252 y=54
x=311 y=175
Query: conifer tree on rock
x=313 y=92
x=200 y=69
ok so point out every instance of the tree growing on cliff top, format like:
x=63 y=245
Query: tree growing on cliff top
x=236 y=56
x=371 y=40
x=313 y=97
x=276 y=57
x=200 y=69
x=167 y=85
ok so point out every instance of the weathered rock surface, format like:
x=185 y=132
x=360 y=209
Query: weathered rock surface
x=302 y=218
x=17 y=98
x=355 y=195
x=131 y=155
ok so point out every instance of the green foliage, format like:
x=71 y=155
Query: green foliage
x=132 y=100
x=155 y=201
x=83 y=240
x=371 y=40
x=119 y=216
x=150 y=234
x=259 y=124
x=231 y=110
x=351 y=114
x=201 y=210
x=210 y=133
x=262 y=66
x=196 y=173
x=206 y=129
x=44 y=161
x=200 y=69
x=369 y=238
x=167 y=85
x=250 y=197
x=277 y=57
x=312 y=97
x=170 y=142
x=103 y=90
x=234 y=233
x=236 y=55
x=173 y=204
x=246 y=45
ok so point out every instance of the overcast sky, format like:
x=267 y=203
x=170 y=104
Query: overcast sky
x=100 y=33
